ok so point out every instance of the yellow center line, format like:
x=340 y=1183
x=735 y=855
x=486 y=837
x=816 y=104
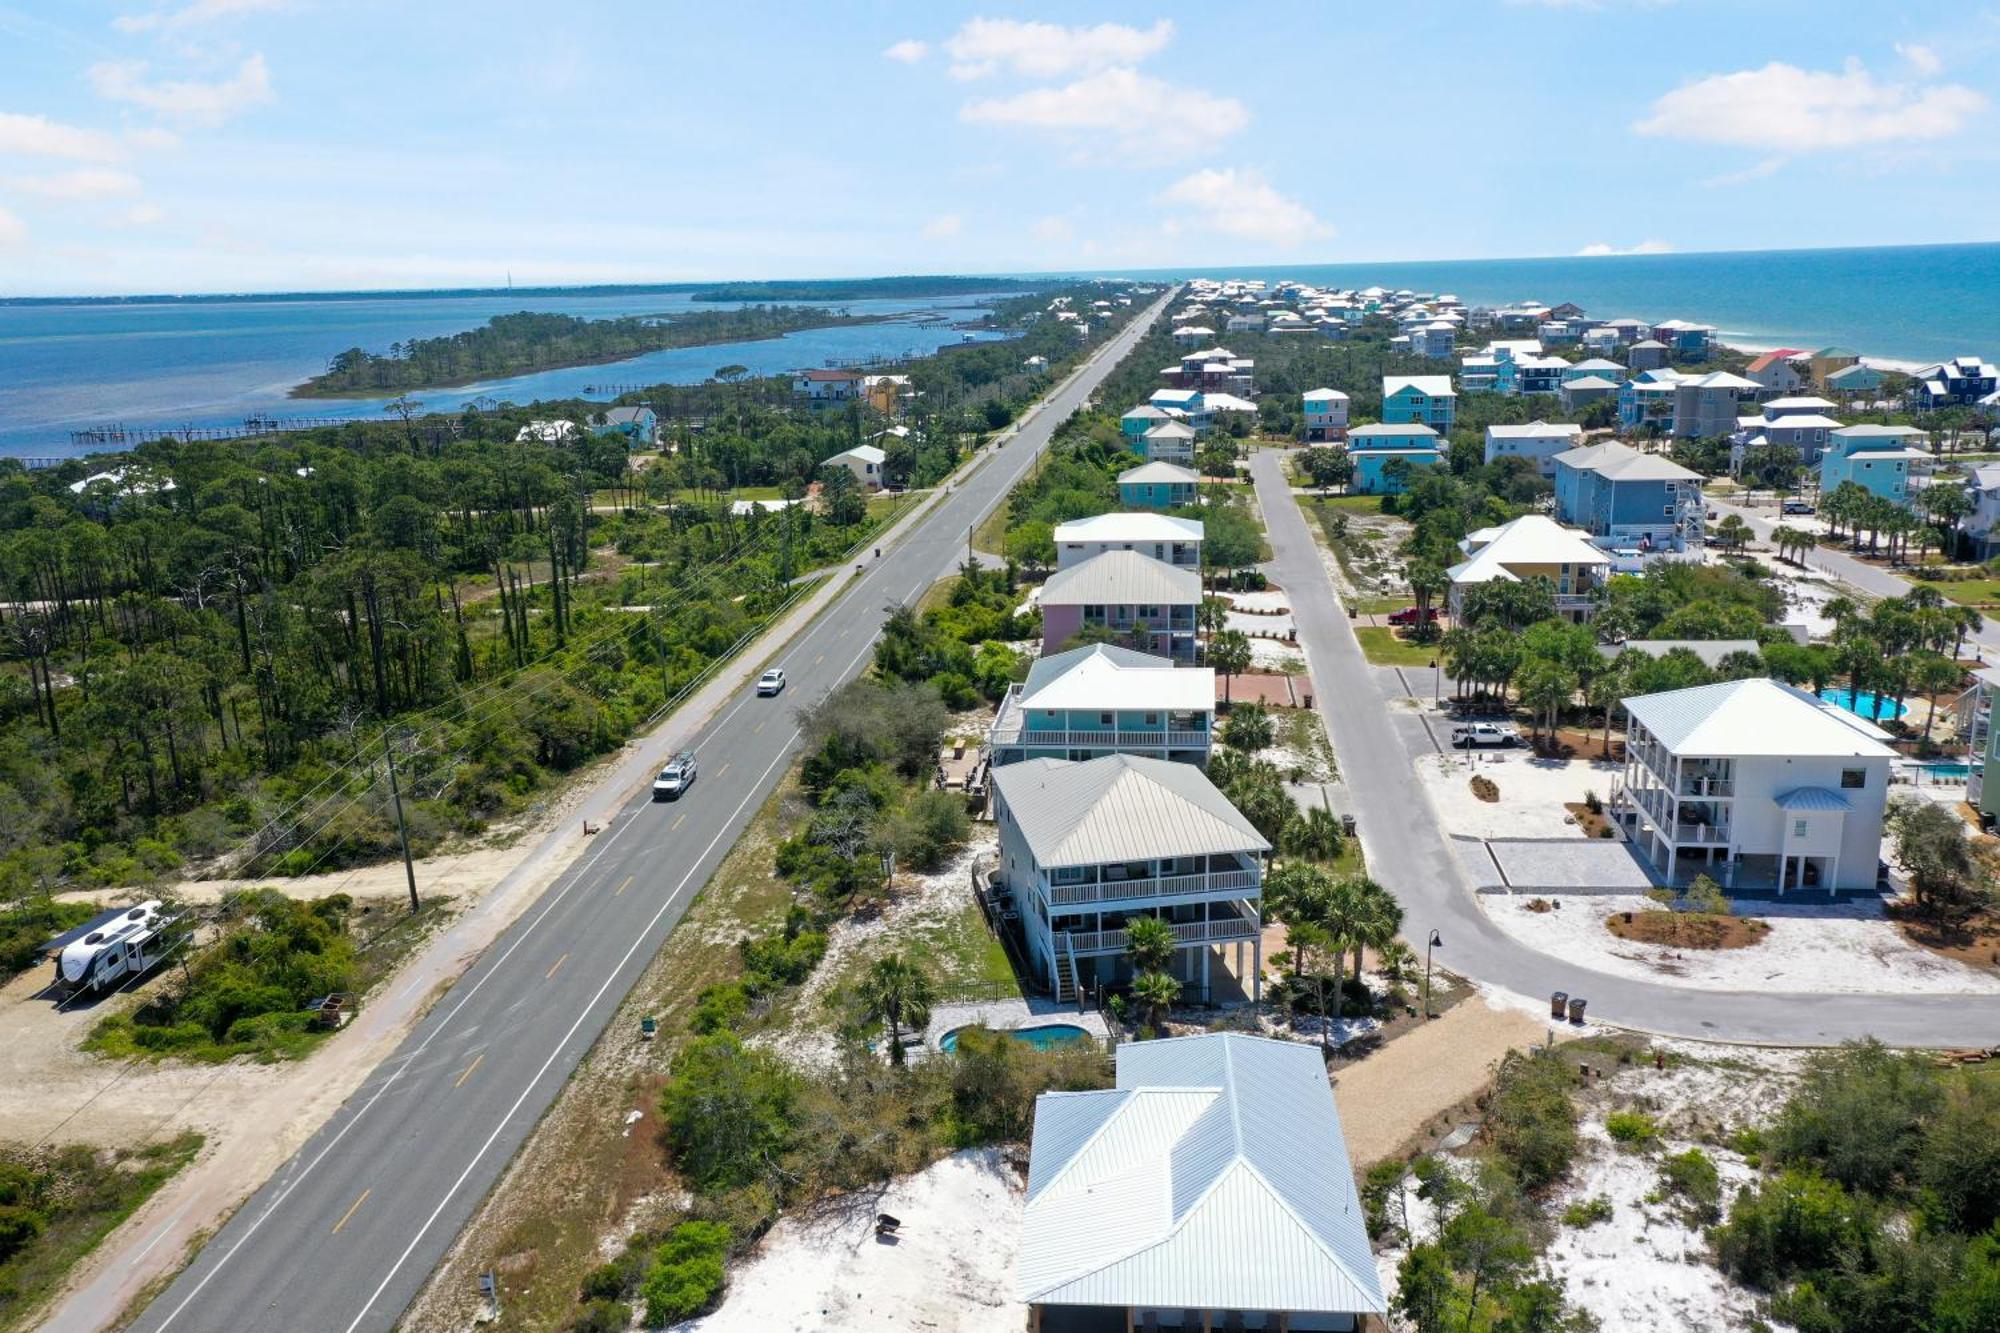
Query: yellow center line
x=552 y=969
x=819 y=659
x=757 y=730
x=720 y=771
x=677 y=821
x=354 y=1208
x=622 y=887
x=468 y=1070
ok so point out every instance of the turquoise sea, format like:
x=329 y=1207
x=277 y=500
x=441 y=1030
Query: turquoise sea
x=163 y=364
x=1910 y=303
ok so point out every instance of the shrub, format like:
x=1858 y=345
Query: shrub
x=728 y=1112
x=19 y=1224
x=602 y=1316
x=1800 y=1220
x=1692 y=1177
x=1587 y=1212
x=1632 y=1129
x=1529 y=1117
x=1383 y=1180
x=930 y=828
x=1858 y=1116
x=686 y=1275
x=720 y=1007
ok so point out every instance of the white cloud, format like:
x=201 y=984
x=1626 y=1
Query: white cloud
x=1757 y=171
x=1119 y=112
x=85 y=183
x=1049 y=50
x=185 y=99
x=1240 y=203
x=38 y=136
x=142 y=215
x=943 y=225
x=1601 y=249
x=1920 y=57
x=13 y=231
x=909 y=51
x=201 y=11
x=1053 y=230
x=1787 y=108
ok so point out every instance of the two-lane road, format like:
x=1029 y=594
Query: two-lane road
x=345 y=1234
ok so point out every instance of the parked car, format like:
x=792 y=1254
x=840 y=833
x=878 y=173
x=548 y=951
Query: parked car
x=1480 y=735
x=771 y=681
x=1408 y=616
x=1797 y=507
x=675 y=778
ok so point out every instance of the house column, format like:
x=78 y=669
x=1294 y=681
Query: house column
x=1207 y=950
x=1257 y=976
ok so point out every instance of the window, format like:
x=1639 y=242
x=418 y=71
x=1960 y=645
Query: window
x=1853 y=779
x=1152 y=719
x=1798 y=828
x=1105 y=719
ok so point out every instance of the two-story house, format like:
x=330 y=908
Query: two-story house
x=1530 y=547
x=1755 y=783
x=1793 y=423
x=1854 y=381
x=1087 y=847
x=1325 y=415
x=1707 y=406
x=1876 y=458
x=1537 y=440
x=1385 y=456
x=1689 y=341
x=1134 y=424
x=864 y=461
x=1626 y=498
x=1103 y=699
x=1126 y=594
x=1959 y=382
x=1433 y=340
x=1648 y=354
x=822 y=387
x=1169 y=442
x=1539 y=374
x=640 y=425
x=1176 y=541
x=1158 y=486
x=1427 y=400
x=1208 y=1190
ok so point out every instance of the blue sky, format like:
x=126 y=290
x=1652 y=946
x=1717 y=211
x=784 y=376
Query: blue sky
x=247 y=145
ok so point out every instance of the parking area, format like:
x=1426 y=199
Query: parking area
x=1603 y=865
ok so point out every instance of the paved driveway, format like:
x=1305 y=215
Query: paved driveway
x=1409 y=854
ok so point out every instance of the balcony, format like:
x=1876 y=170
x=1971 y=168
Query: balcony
x=1187 y=934
x=1706 y=786
x=1237 y=882
x=1702 y=835
x=1157 y=738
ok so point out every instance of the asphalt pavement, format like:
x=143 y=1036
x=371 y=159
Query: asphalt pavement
x=1408 y=853
x=342 y=1238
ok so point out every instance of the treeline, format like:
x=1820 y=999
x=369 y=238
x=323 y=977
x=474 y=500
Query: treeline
x=865 y=289
x=529 y=341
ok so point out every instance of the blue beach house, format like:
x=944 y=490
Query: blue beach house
x=1157 y=486
x=1134 y=424
x=639 y=425
x=1627 y=498
x=1876 y=458
x=1427 y=400
x=1374 y=449
x=1104 y=699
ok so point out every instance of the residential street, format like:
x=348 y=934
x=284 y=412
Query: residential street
x=345 y=1234
x=1408 y=852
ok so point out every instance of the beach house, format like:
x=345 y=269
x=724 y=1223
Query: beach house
x=1537 y=440
x=1169 y=442
x=1433 y=340
x=1134 y=424
x=1587 y=389
x=1185 y=405
x=1532 y=546
x=1193 y=335
x=822 y=387
x=1209 y=1189
x=1427 y=400
x=1325 y=415
x=1876 y=458
x=1626 y=498
x=889 y=394
x=1158 y=486
x=1688 y=341
x=1795 y=423
x=864 y=461
x=1821 y=365
x=1176 y=541
x=1538 y=374
x=1647 y=354
x=1085 y=847
x=1854 y=381
x=1959 y=382
x=1103 y=699
x=1384 y=456
x=639 y=425
x=1781 y=370
x=1593 y=367
x=1148 y=602
x=1757 y=784
x=1707 y=406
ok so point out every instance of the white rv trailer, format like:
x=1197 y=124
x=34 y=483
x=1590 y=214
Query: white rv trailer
x=117 y=947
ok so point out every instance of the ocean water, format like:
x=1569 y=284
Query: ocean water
x=1910 y=303
x=164 y=365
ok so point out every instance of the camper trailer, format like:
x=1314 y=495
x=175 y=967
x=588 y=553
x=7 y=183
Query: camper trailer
x=115 y=947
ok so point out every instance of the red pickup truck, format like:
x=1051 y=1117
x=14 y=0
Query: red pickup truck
x=1408 y=616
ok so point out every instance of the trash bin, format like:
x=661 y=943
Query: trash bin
x=1576 y=1005
x=1559 y=1004
x=1347 y=825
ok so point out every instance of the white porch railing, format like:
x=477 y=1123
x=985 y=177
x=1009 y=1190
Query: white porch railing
x=1156 y=738
x=1186 y=934
x=1162 y=886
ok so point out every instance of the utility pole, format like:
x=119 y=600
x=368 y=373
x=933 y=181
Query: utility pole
x=402 y=833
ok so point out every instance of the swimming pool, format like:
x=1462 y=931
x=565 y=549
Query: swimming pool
x=1863 y=703
x=1041 y=1038
x=1961 y=771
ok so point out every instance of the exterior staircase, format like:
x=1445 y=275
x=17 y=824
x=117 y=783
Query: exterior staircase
x=1065 y=966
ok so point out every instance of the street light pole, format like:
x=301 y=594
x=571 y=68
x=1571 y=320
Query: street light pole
x=1434 y=942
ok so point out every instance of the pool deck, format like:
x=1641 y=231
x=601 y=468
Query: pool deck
x=1009 y=1015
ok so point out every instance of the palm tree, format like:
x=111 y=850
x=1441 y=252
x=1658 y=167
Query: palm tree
x=1229 y=653
x=1150 y=942
x=1311 y=951
x=1934 y=674
x=1380 y=917
x=1156 y=993
x=1315 y=835
x=896 y=990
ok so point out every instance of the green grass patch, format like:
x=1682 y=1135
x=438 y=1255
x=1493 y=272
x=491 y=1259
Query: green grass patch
x=1383 y=648
x=1970 y=592
x=1352 y=504
x=1380 y=606
x=991 y=534
x=1632 y=1129
x=60 y=1202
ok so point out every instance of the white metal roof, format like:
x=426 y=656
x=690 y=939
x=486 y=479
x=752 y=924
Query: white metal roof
x=1757 y=716
x=1213 y=1176
x=1536 y=430
x=1123 y=578
x=1710 y=651
x=1227 y=402
x=1324 y=396
x=1106 y=676
x=1800 y=421
x=1589 y=382
x=1876 y=432
x=1170 y=430
x=1147 y=412
x=1532 y=539
x=867 y=453
x=1158 y=472
x=1437 y=386
x=1384 y=428
x=1143 y=526
x=1121 y=807
x=1621 y=462
x=1798 y=403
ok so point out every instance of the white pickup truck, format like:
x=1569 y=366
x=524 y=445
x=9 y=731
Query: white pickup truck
x=675 y=778
x=1480 y=735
